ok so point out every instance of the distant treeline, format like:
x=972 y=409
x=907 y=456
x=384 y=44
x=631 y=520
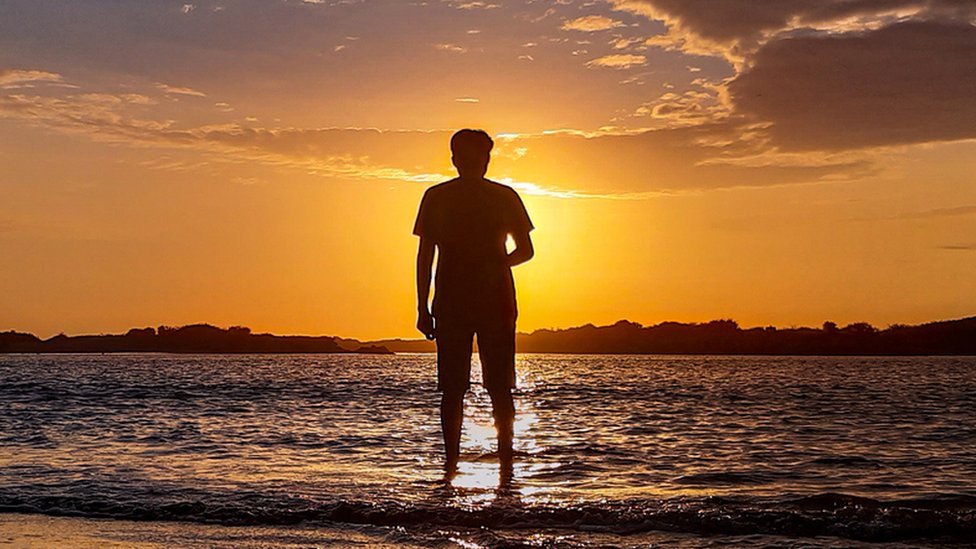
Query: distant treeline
x=953 y=337
x=197 y=338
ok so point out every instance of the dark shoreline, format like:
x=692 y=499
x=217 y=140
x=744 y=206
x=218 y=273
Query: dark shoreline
x=725 y=337
x=197 y=338
x=718 y=337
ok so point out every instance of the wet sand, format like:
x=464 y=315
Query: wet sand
x=39 y=531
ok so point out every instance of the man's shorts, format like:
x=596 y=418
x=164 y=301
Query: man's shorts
x=496 y=347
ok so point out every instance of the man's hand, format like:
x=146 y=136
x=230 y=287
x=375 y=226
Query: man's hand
x=425 y=323
x=425 y=261
x=523 y=251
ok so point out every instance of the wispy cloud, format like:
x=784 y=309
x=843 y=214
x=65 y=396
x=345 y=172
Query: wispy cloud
x=466 y=99
x=591 y=23
x=326 y=152
x=618 y=61
x=100 y=116
x=473 y=5
x=624 y=43
x=18 y=78
x=453 y=48
x=703 y=103
x=179 y=90
x=679 y=158
x=540 y=190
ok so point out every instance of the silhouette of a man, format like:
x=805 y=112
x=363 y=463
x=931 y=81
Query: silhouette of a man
x=468 y=219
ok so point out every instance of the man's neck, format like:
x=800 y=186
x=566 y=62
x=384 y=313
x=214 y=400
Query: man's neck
x=471 y=178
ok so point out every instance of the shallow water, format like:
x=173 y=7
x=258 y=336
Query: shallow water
x=613 y=450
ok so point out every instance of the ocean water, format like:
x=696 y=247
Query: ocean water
x=613 y=451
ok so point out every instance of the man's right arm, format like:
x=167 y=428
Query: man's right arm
x=425 y=263
x=519 y=227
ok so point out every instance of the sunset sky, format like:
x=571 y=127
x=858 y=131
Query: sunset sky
x=260 y=162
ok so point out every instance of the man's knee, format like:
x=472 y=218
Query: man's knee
x=501 y=400
x=453 y=395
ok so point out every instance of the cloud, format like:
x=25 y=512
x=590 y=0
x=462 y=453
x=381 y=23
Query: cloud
x=624 y=43
x=959 y=247
x=912 y=82
x=18 y=78
x=940 y=212
x=666 y=161
x=705 y=102
x=453 y=48
x=721 y=21
x=567 y=164
x=831 y=75
x=96 y=114
x=466 y=99
x=591 y=23
x=618 y=61
x=737 y=27
x=138 y=99
x=331 y=152
x=473 y=5
x=179 y=90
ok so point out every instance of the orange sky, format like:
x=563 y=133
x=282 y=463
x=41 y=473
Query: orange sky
x=260 y=162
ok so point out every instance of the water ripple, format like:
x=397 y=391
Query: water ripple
x=865 y=448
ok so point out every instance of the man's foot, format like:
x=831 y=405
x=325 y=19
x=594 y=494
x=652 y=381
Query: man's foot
x=506 y=472
x=450 y=468
x=506 y=456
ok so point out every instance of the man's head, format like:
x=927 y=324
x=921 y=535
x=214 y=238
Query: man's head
x=470 y=152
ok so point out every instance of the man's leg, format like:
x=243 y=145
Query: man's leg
x=503 y=410
x=496 y=345
x=453 y=374
x=452 y=414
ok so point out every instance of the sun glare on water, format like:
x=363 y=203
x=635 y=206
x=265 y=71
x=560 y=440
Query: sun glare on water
x=481 y=478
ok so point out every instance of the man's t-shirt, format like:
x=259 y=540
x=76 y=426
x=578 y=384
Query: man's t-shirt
x=469 y=221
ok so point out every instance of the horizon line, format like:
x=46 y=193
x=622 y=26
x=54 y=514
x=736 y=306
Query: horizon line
x=551 y=329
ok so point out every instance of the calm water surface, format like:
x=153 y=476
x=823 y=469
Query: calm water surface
x=613 y=450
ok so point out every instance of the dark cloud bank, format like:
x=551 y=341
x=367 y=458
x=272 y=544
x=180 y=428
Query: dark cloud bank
x=906 y=83
x=841 y=74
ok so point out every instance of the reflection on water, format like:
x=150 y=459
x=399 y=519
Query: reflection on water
x=615 y=439
x=480 y=475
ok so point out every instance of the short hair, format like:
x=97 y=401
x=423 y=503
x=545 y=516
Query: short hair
x=465 y=142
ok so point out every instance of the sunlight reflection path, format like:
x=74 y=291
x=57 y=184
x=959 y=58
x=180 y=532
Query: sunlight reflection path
x=481 y=479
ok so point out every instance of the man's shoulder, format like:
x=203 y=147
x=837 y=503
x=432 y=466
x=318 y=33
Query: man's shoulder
x=501 y=188
x=452 y=189
x=441 y=187
x=438 y=193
